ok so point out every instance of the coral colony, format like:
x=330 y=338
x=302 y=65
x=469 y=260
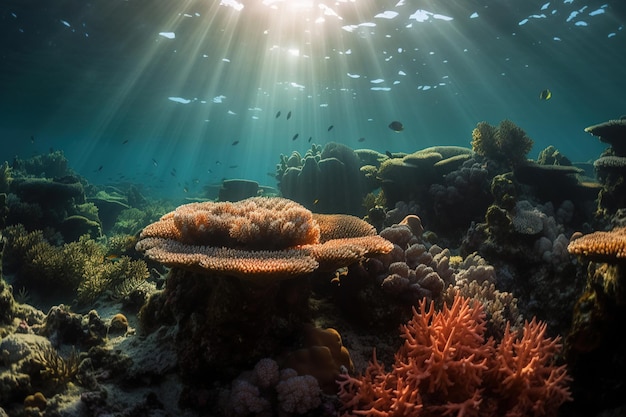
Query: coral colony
x=449 y=281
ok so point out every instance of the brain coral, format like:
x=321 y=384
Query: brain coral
x=258 y=237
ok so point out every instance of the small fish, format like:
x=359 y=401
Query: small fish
x=545 y=95
x=99 y=168
x=330 y=128
x=32 y=139
x=277 y=114
x=209 y=171
x=173 y=174
x=112 y=258
x=389 y=155
x=396 y=126
x=154 y=162
x=235 y=143
x=233 y=166
x=317 y=200
x=310 y=138
x=218 y=163
x=125 y=142
x=295 y=136
x=185 y=189
x=361 y=139
x=289 y=115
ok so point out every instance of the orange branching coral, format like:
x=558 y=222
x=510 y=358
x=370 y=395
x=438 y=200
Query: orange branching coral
x=446 y=367
x=258 y=237
x=601 y=246
x=528 y=384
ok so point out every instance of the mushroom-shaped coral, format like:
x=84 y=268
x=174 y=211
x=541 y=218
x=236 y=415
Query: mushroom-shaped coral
x=612 y=132
x=601 y=246
x=258 y=237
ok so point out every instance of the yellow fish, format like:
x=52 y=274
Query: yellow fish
x=545 y=95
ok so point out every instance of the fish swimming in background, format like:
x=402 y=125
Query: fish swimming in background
x=289 y=115
x=310 y=138
x=545 y=95
x=233 y=166
x=32 y=139
x=99 y=168
x=154 y=162
x=112 y=258
x=235 y=143
x=295 y=136
x=277 y=114
x=396 y=126
x=361 y=139
x=125 y=142
x=330 y=128
x=389 y=155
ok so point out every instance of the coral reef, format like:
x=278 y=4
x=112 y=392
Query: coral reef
x=447 y=366
x=593 y=346
x=80 y=268
x=327 y=180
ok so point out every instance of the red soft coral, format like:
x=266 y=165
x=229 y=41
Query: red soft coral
x=446 y=368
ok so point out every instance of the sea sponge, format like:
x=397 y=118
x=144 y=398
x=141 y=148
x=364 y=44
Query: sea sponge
x=36 y=400
x=323 y=356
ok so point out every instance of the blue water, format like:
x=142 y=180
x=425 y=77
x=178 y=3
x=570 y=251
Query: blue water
x=157 y=92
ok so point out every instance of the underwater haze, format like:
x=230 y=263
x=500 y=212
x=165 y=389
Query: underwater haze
x=176 y=95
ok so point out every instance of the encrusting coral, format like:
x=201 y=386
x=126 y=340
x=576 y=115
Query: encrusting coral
x=258 y=238
x=446 y=366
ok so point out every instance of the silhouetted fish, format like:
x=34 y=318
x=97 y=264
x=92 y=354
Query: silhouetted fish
x=233 y=166
x=310 y=138
x=295 y=136
x=545 y=95
x=235 y=143
x=388 y=154
x=278 y=114
x=396 y=126
x=289 y=115
x=125 y=142
x=99 y=168
x=154 y=162
x=361 y=139
x=330 y=128
x=32 y=139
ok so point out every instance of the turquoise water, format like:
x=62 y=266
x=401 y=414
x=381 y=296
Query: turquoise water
x=158 y=92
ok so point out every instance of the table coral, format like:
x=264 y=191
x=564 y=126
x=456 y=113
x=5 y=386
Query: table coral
x=447 y=367
x=258 y=237
x=601 y=246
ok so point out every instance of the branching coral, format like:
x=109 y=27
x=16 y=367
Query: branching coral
x=76 y=266
x=507 y=142
x=447 y=367
x=54 y=367
x=258 y=237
